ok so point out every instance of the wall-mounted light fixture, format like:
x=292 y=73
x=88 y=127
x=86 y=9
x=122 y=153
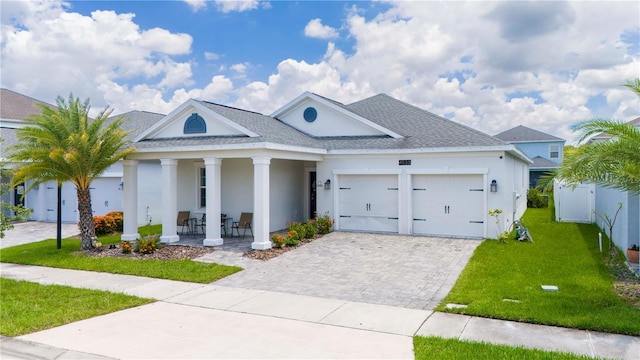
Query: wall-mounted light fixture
x=494 y=185
x=327 y=185
x=121 y=186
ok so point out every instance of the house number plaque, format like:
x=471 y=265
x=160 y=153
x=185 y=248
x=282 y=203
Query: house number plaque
x=404 y=162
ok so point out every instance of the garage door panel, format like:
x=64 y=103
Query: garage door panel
x=368 y=202
x=450 y=205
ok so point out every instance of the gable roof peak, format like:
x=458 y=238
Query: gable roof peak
x=522 y=133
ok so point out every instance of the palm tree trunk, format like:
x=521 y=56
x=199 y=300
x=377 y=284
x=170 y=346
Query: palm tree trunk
x=87 y=229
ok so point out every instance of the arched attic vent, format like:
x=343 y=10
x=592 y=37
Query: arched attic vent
x=195 y=125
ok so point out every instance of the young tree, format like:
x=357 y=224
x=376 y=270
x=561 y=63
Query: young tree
x=63 y=144
x=9 y=213
x=613 y=163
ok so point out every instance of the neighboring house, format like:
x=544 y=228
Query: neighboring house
x=377 y=165
x=545 y=150
x=106 y=191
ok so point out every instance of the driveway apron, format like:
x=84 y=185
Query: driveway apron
x=406 y=271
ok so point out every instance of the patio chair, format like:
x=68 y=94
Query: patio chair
x=244 y=223
x=184 y=220
x=202 y=224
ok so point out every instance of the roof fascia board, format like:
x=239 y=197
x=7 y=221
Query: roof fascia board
x=308 y=95
x=511 y=149
x=158 y=126
x=534 y=141
x=260 y=145
x=12 y=123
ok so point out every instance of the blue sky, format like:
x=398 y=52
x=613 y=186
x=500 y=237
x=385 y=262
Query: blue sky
x=488 y=65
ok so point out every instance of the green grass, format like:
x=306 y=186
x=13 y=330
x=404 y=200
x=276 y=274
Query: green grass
x=44 y=253
x=28 y=307
x=444 y=349
x=563 y=254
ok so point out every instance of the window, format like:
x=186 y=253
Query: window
x=202 y=187
x=554 y=151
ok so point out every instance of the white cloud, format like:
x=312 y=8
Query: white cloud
x=315 y=29
x=227 y=6
x=211 y=56
x=239 y=68
x=47 y=51
x=468 y=60
x=485 y=71
x=196 y=5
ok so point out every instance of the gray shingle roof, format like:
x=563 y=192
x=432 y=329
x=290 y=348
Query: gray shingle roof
x=420 y=128
x=137 y=121
x=17 y=106
x=524 y=134
x=540 y=162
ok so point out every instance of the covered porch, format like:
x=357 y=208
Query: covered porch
x=274 y=188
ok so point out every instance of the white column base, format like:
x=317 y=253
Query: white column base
x=261 y=245
x=129 y=237
x=169 y=238
x=212 y=242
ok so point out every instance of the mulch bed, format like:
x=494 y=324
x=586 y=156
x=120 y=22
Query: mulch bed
x=166 y=252
x=626 y=283
x=179 y=252
x=268 y=254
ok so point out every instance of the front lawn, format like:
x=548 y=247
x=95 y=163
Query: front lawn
x=444 y=349
x=28 y=307
x=503 y=281
x=44 y=253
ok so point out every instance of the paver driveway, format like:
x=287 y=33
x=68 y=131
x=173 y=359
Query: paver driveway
x=407 y=271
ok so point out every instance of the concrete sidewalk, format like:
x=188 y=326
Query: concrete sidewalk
x=209 y=321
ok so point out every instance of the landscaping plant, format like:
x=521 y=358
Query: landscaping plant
x=324 y=224
x=148 y=244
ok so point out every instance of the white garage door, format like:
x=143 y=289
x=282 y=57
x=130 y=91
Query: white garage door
x=451 y=205
x=106 y=195
x=368 y=202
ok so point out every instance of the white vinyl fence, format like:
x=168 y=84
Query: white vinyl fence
x=574 y=204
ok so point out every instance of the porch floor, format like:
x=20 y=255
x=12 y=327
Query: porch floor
x=234 y=244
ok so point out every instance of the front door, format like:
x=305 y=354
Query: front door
x=312 y=195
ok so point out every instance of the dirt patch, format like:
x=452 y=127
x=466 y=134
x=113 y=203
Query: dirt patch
x=626 y=283
x=166 y=252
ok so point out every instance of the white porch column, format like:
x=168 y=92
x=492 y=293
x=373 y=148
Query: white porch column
x=214 y=209
x=261 y=191
x=130 y=200
x=169 y=200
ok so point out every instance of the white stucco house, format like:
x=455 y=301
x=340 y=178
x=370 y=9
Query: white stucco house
x=377 y=165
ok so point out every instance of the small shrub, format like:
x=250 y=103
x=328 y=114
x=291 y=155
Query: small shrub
x=311 y=229
x=109 y=223
x=278 y=240
x=149 y=244
x=535 y=200
x=125 y=246
x=299 y=229
x=293 y=238
x=324 y=224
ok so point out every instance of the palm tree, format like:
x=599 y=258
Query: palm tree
x=613 y=163
x=63 y=144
